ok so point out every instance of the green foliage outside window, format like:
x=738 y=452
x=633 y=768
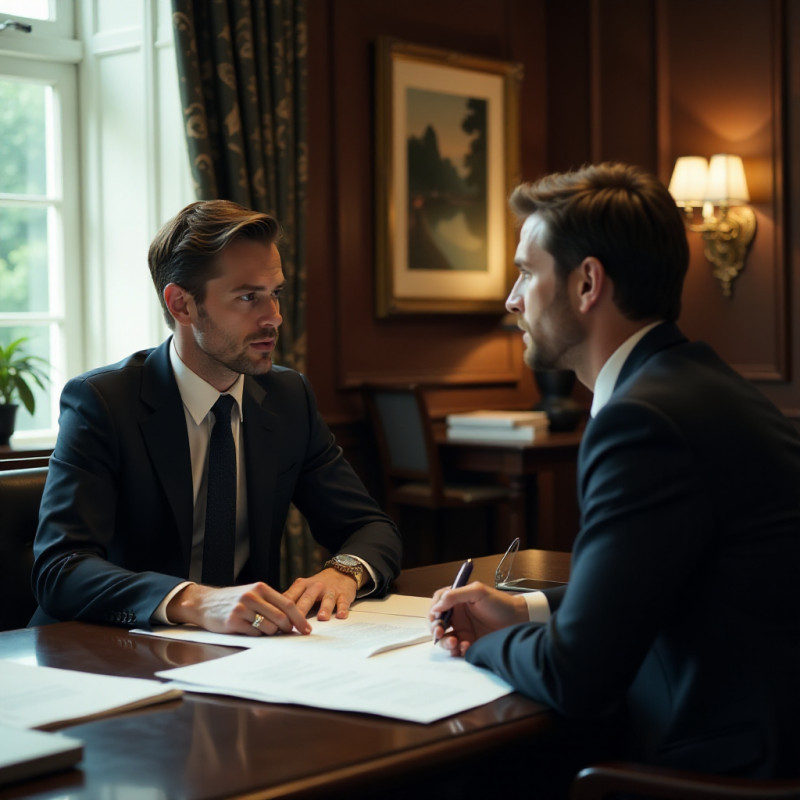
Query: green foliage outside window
x=23 y=174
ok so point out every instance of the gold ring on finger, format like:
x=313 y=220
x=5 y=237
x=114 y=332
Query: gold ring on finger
x=256 y=623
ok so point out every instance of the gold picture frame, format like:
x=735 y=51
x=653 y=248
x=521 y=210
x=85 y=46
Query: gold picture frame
x=447 y=156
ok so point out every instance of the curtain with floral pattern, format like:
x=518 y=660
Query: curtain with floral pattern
x=243 y=73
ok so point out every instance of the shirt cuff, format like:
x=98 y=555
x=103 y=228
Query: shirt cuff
x=538 y=607
x=160 y=614
x=366 y=590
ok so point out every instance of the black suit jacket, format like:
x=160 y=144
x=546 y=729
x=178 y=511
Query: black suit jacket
x=115 y=525
x=684 y=598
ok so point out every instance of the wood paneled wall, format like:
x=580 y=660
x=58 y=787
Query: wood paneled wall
x=636 y=80
x=348 y=345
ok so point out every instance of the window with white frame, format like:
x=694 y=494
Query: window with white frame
x=39 y=199
x=92 y=160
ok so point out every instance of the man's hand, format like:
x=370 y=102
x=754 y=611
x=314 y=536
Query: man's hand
x=233 y=609
x=330 y=588
x=477 y=610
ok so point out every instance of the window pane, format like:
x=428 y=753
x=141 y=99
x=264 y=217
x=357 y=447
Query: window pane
x=23 y=130
x=24 y=284
x=33 y=9
x=38 y=344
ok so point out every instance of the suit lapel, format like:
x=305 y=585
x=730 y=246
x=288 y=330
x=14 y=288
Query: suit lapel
x=164 y=433
x=261 y=466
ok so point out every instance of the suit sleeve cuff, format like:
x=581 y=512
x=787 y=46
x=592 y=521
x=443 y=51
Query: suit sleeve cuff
x=538 y=607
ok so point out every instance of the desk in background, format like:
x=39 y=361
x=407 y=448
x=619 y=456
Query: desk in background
x=207 y=746
x=541 y=476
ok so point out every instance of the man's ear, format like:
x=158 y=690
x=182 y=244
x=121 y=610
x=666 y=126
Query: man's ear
x=179 y=303
x=591 y=282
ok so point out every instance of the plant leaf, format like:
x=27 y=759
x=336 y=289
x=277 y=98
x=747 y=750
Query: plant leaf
x=25 y=393
x=16 y=369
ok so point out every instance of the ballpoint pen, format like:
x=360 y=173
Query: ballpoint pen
x=461 y=580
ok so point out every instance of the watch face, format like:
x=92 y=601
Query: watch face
x=347 y=561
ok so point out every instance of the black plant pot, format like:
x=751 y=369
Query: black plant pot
x=563 y=412
x=8 y=416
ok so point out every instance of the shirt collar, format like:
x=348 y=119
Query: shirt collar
x=607 y=377
x=199 y=396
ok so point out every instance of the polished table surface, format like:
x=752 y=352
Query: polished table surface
x=205 y=746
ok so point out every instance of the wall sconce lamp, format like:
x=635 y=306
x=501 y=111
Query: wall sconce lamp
x=721 y=183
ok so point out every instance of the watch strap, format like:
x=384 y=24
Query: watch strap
x=356 y=571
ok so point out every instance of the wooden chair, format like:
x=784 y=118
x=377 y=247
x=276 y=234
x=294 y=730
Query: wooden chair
x=20 y=496
x=409 y=456
x=625 y=780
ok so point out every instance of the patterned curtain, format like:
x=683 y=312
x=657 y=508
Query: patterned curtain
x=242 y=69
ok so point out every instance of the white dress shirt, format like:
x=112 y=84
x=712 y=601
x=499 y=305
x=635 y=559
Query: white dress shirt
x=538 y=608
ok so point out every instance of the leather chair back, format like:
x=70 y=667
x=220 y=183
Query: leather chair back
x=20 y=496
x=403 y=429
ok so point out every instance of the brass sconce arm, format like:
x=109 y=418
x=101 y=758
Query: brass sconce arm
x=727 y=240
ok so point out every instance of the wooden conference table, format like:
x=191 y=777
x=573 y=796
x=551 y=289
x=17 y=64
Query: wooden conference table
x=205 y=746
x=542 y=477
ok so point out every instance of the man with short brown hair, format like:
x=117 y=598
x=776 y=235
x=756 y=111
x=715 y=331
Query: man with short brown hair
x=682 y=612
x=131 y=531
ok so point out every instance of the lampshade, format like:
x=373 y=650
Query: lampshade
x=726 y=181
x=688 y=183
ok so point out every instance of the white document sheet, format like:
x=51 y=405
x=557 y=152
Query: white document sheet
x=420 y=683
x=402 y=605
x=40 y=697
x=372 y=627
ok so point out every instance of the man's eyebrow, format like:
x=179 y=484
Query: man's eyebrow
x=252 y=287
x=248 y=287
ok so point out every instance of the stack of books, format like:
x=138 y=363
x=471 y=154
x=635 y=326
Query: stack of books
x=497 y=426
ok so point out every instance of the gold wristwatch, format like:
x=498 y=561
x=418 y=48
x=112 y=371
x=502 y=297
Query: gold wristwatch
x=349 y=566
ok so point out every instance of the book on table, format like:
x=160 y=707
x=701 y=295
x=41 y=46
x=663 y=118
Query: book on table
x=503 y=420
x=477 y=433
x=25 y=754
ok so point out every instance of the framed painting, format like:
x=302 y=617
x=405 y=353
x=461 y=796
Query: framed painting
x=447 y=147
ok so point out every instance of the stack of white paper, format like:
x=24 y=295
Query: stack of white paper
x=373 y=627
x=43 y=697
x=421 y=683
x=497 y=426
x=365 y=663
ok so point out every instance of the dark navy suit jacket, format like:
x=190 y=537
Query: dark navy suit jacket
x=683 y=605
x=115 y=525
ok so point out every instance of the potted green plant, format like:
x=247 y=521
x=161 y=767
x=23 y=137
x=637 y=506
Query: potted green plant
x=17 y=370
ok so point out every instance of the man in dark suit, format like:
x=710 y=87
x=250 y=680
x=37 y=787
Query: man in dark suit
x=682 y=612
x=124 y=535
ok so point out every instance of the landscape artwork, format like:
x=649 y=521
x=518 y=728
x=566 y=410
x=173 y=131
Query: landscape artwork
x=447 y=207
x=446 y=156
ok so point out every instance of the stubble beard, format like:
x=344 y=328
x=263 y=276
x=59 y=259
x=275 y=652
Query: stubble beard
x=224 y=351
x=555 y=349
x=538 y=358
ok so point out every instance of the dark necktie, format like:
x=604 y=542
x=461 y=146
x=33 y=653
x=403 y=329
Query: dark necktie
x=220 y=533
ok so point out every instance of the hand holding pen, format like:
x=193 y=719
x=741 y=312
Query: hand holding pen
x=442 y=622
